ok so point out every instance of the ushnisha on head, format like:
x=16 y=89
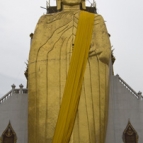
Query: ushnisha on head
x=70 y=3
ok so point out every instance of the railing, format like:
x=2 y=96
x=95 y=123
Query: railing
x=6 y=96
x=137 y=95
x=21 y=90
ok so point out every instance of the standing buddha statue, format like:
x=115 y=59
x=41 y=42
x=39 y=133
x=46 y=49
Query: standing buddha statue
x=52 y=50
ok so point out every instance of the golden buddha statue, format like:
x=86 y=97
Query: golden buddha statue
x=49 y=61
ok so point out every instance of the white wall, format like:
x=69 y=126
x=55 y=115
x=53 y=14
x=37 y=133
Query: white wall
x=14 y=109
x=123 y=106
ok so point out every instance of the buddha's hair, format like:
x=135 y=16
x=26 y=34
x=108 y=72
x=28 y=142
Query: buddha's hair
x=60 y=1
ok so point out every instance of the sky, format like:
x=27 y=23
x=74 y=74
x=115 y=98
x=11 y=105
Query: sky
x=124 y=21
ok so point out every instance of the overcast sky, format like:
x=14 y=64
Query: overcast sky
x=124 y=20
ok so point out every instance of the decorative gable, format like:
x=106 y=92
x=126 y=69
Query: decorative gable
x=9 y=136
x=129 y=134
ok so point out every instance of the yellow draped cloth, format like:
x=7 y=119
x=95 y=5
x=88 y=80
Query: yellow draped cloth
x=72 y=91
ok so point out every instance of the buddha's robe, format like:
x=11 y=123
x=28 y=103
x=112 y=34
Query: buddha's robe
x=49 y=61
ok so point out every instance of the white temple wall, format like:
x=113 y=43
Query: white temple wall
x=123 y=107
x=14 y=109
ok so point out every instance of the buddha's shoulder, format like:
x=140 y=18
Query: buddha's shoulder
x=64 y=15
x=98 y=17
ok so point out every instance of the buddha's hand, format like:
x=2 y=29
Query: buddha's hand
x=103 y=54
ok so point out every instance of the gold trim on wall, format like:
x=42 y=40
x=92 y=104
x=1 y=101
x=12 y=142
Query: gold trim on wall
x=130 y=132
x=8 y=133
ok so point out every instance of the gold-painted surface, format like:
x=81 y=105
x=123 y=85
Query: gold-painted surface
x=72 y=90
x=49 y=60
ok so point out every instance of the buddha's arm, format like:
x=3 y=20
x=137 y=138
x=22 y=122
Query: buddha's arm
x=45 y=37
x=100 y=44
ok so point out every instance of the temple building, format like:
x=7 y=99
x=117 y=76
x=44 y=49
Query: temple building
x=125 y=115
x=125 y=118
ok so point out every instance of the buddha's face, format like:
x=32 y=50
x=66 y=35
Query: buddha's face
x=71 y=2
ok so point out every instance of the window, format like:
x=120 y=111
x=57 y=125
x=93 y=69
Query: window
x=9 y=135
x=129 y=134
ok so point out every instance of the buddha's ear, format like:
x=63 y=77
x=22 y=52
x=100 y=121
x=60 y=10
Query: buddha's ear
x=83 y=4
x=58 y=4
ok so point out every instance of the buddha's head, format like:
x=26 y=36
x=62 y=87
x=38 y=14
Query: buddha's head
x=70 y=3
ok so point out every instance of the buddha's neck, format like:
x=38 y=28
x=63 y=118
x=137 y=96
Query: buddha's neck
x=69 y=7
